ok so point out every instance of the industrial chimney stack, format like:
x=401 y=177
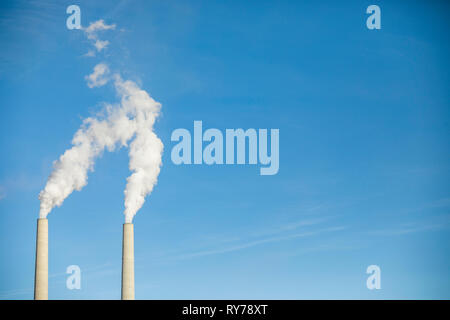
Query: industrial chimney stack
x=128 y=262
x=41 y=272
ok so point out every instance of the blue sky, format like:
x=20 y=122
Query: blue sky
x=364 y=157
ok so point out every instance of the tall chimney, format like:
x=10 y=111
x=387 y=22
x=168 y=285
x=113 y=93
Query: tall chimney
x=128 y=262
x=41 y=272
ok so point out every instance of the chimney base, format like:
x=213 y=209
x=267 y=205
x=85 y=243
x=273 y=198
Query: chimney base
x=128 y=262
x=41 y=271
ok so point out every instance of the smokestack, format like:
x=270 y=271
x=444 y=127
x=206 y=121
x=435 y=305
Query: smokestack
x=128 y=262
x=41 y=275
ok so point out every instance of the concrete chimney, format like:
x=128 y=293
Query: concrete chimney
x=41 y=272
x=128 y=262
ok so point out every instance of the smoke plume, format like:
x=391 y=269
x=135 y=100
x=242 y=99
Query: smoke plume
x=132 y=119
x=92 y=34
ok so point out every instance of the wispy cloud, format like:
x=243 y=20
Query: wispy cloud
x=327 y=247
x=281 y=233
x=15 y=293
x=291 y=226
x=98 y=77
x=101 y=44
x=2 y=192
x=92 y=34
x=433 y=222
x=403 y=230
x=59 y=278
x=96 y=26
x=440 y=203
x=21 y=181
x=106 y=267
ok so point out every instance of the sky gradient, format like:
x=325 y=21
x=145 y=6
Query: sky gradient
x=364 y=149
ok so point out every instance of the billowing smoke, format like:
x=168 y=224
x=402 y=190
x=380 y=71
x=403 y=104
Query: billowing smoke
x=145 y=150
x=130 y=120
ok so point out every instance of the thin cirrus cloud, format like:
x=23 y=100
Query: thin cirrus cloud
x=267 y=239
x=106 y=269
x=403 y=230
x=2 y=193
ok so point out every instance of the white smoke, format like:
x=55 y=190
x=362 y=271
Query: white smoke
x=132 y=119
x=92 y=34
x=98 y=77
x=145 y=150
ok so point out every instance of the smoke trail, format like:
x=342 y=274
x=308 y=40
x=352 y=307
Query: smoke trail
x=92 y=34
x=145 y=150
x=133 y=118
x=98 y=77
